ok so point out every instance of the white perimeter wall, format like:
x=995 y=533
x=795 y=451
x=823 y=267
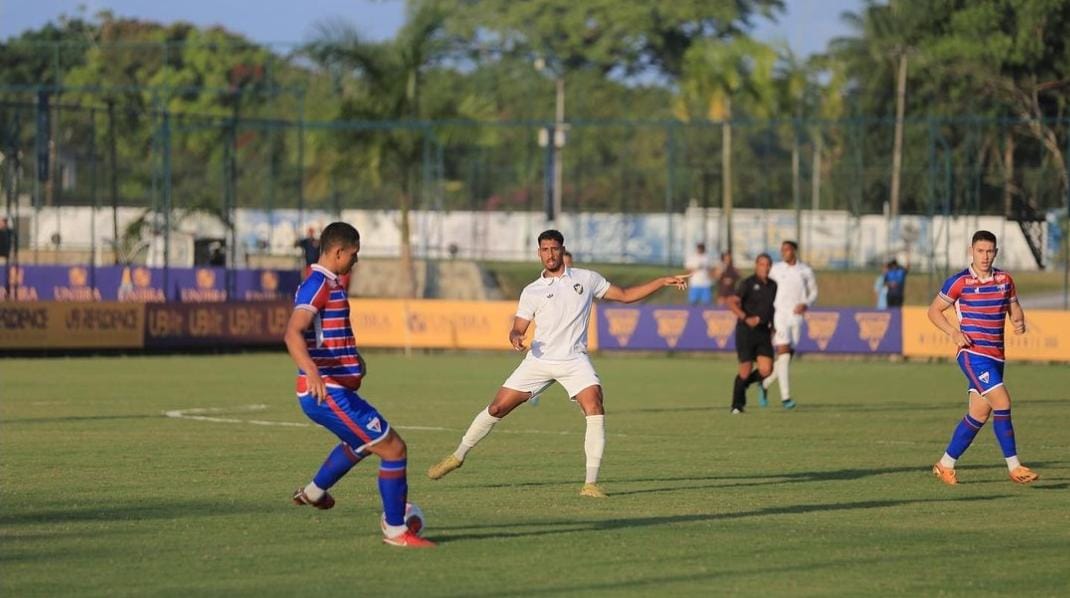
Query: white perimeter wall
x=829 y=239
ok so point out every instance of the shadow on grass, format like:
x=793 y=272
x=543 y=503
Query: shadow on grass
x=127 y=511
x=508 y=530
x=755 y=479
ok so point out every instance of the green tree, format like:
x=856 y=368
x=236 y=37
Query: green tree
x=607 y=35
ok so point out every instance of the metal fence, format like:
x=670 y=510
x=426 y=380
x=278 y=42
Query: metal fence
x=69 y=146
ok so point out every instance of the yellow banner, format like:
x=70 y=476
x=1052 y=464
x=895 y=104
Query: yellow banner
x=1047 y=336
x=71 y=325
x=439 y=324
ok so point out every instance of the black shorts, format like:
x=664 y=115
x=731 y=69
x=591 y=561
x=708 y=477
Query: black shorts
x=752 y=342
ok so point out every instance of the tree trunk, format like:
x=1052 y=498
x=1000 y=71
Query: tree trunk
x=726 y=172
x=897 y=152
x=1008 y=174
x=408 y=273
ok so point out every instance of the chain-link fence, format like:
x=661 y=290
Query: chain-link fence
x=252 y=175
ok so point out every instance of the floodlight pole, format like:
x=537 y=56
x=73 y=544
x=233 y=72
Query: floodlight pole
x=559 y=145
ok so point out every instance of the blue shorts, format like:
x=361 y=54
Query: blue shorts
x=982 y=373
x=699 y=295
x=350 y=417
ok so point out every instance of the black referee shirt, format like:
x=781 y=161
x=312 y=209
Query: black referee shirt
x=756 y=298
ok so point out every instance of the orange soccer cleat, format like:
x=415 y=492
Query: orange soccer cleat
x=945 y=474
x=1023 y=475
x=409 y=540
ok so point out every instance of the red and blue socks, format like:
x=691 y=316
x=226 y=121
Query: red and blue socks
x=394 y=490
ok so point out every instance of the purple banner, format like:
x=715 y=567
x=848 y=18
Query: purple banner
x=143 y=284
x=661 y=328
x=174 y=325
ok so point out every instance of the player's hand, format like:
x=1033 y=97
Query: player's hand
x=317 y=387
x=752 y=321
x=517 y=340
x=960 y=339
x=677 y=280
x=800 y=309
x=1019 y=327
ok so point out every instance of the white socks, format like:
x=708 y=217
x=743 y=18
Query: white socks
x=780 y=373
x=1013 y=463
x=481 y=426
x=948 y=461
x=594 y=444
x=314 y=492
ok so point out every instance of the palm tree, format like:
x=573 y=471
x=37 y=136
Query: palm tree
x=886 y=38
x=387 y=79
x=715 y=73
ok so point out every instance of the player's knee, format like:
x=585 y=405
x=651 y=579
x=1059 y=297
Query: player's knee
x=394 y=448
x=765 y=371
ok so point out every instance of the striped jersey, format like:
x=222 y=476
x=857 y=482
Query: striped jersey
x=982 y=306
x=329 y=339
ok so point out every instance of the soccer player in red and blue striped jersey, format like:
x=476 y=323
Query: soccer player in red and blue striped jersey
x=321 y=342
x=983 y=297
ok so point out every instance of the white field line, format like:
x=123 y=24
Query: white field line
x=199 y=414
x=196 y=414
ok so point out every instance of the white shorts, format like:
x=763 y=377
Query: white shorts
x=534 y=375
x=787 y=329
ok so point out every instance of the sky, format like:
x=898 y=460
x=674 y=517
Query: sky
x=807 y=25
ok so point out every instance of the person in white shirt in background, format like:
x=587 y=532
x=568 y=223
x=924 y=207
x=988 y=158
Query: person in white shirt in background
x=796 y=292
x=701 y=284
x=559 y=302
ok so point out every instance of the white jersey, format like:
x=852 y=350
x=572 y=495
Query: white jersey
x=794 y=285
x=560 y=306
x=699 y=266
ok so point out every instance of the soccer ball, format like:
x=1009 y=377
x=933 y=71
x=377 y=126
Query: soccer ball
x=414 y=518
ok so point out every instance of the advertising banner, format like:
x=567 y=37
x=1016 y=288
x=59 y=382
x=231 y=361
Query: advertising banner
x=144 y=284
x=71 y=325
x=1047 y=336
x=660 y=328
x=433 y=324
x=174 y=325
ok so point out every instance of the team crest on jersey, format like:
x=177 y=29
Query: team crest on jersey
x=374 y=425
x=578 y=288
x=983 y=377
x=757 y=287
x=550 y=296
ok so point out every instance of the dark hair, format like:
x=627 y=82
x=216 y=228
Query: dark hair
x=567 y=254
x=765 y=255
x=700 y=246
x=983 y=235
x=551 y=235
x=339 y=233
x=793 y=244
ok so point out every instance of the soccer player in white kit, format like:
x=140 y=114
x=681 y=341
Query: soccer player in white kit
x=559 y=302
x=796 y=292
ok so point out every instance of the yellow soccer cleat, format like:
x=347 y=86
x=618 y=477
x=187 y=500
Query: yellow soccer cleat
x=1023 y=475
x=438 y=470
x=945 y=474
x=593 y=491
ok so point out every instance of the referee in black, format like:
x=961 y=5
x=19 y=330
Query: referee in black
x=753 y=305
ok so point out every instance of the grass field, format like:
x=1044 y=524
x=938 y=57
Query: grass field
x=103 y=494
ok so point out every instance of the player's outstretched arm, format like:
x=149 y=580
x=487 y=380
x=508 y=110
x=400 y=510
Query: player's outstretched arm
x=300 y=320
x=516 y=335
x=936 y=316
x=640 y=292
x=1017 y=316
